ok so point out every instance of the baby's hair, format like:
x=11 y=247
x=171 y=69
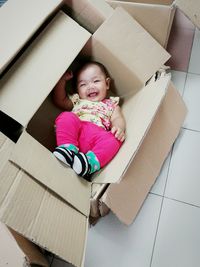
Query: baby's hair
x=88 y=63
x=84 y=66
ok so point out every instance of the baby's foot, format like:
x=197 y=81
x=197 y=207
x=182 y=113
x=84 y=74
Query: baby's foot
x=82 y=166
x=65 y=155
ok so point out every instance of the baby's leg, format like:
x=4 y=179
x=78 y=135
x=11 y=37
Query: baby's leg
x=106 y=147
x=68 y=126
x=98 y=148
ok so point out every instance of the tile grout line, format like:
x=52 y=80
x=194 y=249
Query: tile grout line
x=182 y=202
x=155 y=237
x=158 y=223
x=192 y=130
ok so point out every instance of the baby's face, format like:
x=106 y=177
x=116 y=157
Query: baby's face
x=92 y=83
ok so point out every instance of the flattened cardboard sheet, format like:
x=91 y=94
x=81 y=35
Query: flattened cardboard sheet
x=42 y=165
x=37 y=71
x=32 y=210
x=89 y=13
x=191 y=9
x=150 y=16
x=139 y=112
x=127 y=54
x=16 y=28
x=126 y=198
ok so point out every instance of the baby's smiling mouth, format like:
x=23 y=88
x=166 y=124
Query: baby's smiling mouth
x=93 y=94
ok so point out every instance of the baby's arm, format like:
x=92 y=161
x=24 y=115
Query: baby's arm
x=118 y=124
x=60 y=97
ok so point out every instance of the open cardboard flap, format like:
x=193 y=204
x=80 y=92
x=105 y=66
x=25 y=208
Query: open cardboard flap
x=191 y=9
x=48 y=56
x=126 y=55
x=148 y=161
x=15 y=250
x=139 y=112
x=88 y=13
x=37 y=213
x=130 y=71
x=150 y=16
x=36 y=160
x=22 y=24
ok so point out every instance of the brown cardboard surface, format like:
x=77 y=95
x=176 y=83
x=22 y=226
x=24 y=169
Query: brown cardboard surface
x=126 y=198
x=32 y=253
x=150 y=98
x=191 y=9
x=89 y=13
x=36 y=160
x=133 y=62
x=44 y=56
x=10 y=254
x=41 y=216
x=16 y=33
x=150 y=16
x=97 y=191
x=15 y=250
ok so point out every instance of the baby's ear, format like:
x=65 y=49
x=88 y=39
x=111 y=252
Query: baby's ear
x=108 y=80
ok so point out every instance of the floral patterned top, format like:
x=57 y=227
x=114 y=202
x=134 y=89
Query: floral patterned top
x=98 y=113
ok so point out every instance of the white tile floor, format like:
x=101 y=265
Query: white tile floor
x=166 y=232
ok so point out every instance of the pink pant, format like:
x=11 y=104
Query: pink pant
x=86 y=136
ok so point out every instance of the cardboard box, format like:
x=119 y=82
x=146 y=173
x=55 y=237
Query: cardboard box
x=189 y=8
x=15 y=250
x=39 y=197
x=155 y=18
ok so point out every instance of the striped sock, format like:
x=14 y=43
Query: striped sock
x=65 y=153
x=85 y=164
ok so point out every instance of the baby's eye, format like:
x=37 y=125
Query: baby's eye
x=96 y=81
x=82 y=85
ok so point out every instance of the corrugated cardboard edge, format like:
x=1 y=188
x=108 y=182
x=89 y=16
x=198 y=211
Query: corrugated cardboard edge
x=126 y=198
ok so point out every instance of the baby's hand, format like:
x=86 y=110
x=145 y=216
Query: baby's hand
x=118 y=133
x=68 y=75
x=75 y=99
